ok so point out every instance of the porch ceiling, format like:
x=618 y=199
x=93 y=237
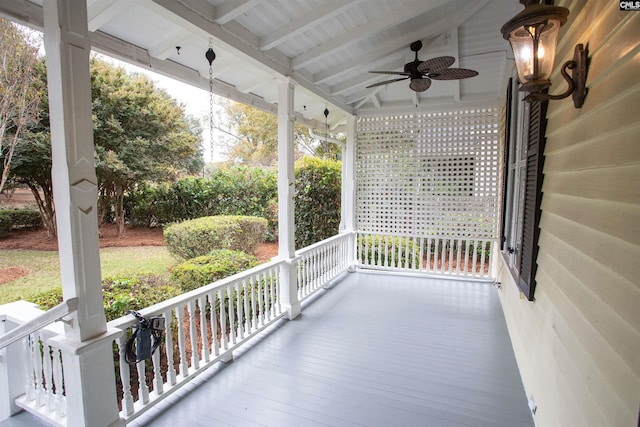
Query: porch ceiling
x=326 y=46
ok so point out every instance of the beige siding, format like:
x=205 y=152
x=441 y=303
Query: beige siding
x=578 y=344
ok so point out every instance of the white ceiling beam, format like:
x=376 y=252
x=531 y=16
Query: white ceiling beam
x=304 y=22
x=100 y=12
x=398 y=16
x=455 y=52
x=253 y=85
x=237 y=39
x=487 y=99
x=231 y=9
x=375 y=100
x=386 y=50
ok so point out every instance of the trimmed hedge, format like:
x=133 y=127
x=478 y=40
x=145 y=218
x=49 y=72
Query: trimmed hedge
x=12 y=219
x=121 y=293
x=202 y=270
x=200 y=236
x=230 y=191
x=317 y=202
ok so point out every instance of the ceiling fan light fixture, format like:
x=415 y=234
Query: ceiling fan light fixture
x=420 y=73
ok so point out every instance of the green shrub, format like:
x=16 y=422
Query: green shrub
x=200 y=236
x=47 y=299
x=123 y=293
x=5 y=222
x=13 y=219
x=202 y=270
x=317 y=200
x=120 y=294
x=229 y=191
x=375 y=250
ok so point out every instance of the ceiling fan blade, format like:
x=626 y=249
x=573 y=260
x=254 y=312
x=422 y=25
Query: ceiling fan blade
x=420 y=85
x=398 y=73
x=436 y=64
x=386 y=82
x=453 y=74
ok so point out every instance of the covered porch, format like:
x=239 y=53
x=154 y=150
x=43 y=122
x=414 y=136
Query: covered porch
x=369 y=349
x=423 y=180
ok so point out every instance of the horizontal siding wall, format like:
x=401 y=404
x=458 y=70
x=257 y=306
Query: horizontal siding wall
x=578 y=344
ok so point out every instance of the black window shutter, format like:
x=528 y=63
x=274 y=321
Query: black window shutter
x=532 y=197
x=505 y=162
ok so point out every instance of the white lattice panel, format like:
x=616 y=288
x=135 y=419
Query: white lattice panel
x=429 y=175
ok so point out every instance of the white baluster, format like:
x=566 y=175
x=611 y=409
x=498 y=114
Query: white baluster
x=458 y=250
x=273 y=286
x=240 y=294
x=202 y=306
x=265 y=309
x=213 y=320
x=262 y=286
x=193 y=335
x=37 y=367
x=256 y=285
x=171 y=370
x=429 y=254
x=158 y=388
x=182 y=344
x=393 y=251
x=443 y=255
x=475 y=257
x=125 y=376
x=366 y=249
x=449 y=270
x=223 y=320
x=248 y=296
x=143 y=388
x=47 y=374
x=30 y=380
x=232 y=317
x=60 y=400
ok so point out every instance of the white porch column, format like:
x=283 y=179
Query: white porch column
x=286 y=193
x=87 y=354
x=348 y=202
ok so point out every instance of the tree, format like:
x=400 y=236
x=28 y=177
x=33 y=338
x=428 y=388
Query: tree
x=140 y=134
x=254 y=136
x=19 y=96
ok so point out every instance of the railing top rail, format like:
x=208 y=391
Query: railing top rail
x=46 y=318
x=426 y=236
x=159 y=308
x=324 y=242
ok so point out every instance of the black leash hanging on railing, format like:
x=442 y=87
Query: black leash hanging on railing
x=147 y=337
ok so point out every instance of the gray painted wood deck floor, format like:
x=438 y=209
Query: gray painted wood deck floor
x=375 y=350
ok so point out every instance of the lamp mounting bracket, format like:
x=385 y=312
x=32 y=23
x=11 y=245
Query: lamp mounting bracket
x=577 y=80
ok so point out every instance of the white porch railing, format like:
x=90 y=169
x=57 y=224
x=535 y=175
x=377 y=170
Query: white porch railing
x=31 y=362
x=318 y=264
x=205 y=325
x=202 y=327
x=445 y=256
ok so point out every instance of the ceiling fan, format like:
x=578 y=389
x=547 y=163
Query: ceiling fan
x=421 y=72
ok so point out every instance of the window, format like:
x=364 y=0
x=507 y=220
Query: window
x=525 y=126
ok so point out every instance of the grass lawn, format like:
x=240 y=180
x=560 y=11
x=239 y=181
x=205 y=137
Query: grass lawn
x=43 y=270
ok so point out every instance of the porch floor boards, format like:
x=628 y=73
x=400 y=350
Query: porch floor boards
x=375 y=350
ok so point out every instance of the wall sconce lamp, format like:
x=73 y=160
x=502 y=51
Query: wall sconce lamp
x=533 y=35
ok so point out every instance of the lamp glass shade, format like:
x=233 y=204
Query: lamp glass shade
x=534 y=49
